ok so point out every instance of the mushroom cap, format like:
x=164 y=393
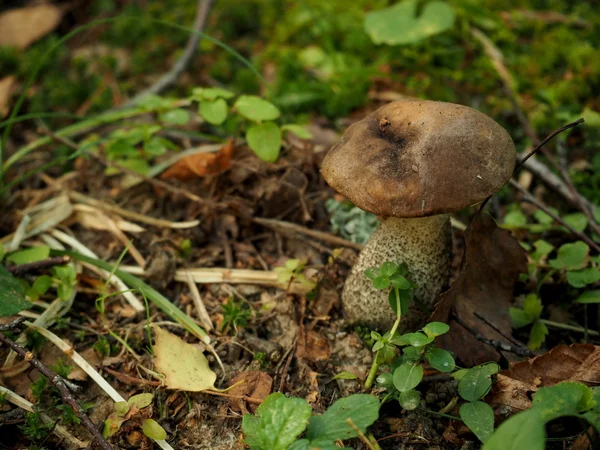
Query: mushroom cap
x=416 y=158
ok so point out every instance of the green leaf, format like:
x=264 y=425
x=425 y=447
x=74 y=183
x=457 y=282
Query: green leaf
x=211 y=93
x=537 y=335
x=381 y=283
x=362 y=409
x=372 y=272
x=409 y=400
x=544 y=218
x=405 y=298
x=265 y=140
x=583 y=277
x=175 y=117
x=214 y=111
x=278 y=422
x=141 y=400
x=399 y=24
x=386 y=353
x=30 y=255
x=533 y=306
x=400 y=282
x=419 y=339
x=318 y=444
x=411 y=354
x=153 y=430
x=589 y=297
x=579 y=221
x=479 y=417
x=524 y=430
x=519 y=318
x=112 y=424
x=298 y=130
x=40 y=287
x=256 y=108
x=440 y=359
x=408 y=376
x=477 y=382
x=563 y=399
x=388 y=269
x=515 y=219
x=435 y=329
x=12 y=294
x=345 y=376
x=542 y=249
x=571 y=256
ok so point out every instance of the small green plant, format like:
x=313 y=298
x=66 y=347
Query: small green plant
x=530 y=314
x=350 y=222
x=130 y=410
x=293 y=271
x=280 y=420
x=34 y=427
x=235 y=314
x=527 y=428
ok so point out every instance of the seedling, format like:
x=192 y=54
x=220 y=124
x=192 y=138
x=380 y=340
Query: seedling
x=235 y=314
x=134 y=409
x=293 y=271
x=280 y=420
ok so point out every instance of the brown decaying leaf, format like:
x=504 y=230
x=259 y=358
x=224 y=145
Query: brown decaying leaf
x=253 y=384
x=201 y=164
x=312 y=346
x=492 y=263
x=576 y=362
x=23 y=26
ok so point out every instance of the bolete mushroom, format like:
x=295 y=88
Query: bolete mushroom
x=413 y=162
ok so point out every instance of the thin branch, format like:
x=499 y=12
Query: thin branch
x=39 y=265
x=59 y=383
x=169 y=78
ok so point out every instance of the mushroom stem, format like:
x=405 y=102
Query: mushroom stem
x=425 y=246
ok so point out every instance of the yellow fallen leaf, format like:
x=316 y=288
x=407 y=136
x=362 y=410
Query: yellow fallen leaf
x=184 y=366
x=23 y=26
x=6 y=88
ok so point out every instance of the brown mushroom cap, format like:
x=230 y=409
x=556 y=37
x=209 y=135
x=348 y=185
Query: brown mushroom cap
x=416 y=158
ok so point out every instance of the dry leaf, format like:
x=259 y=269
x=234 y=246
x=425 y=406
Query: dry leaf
x=312 y=346
x=184 y=366
x=6 y=88
x=252 y=384
x=90 y=355
x=576 y=362
x=201 y=164
x=492 y=263
x=23 y=26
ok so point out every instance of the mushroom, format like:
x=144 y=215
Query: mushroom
x=413 y=162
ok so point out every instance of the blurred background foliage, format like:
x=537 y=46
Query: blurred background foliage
x=317 y=59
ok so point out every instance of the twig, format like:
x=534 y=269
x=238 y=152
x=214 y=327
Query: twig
x=566 y=326
x=129 y=379
x=360 y=435
x=59 y=383
x=282 y=226
x=169 y=78
x=39 y=265
x=518 y=350
x=541 y=205
x=201 y=309
x=498 y=330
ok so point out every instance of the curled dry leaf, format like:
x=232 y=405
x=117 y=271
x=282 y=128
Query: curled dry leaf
x=23 y=26
x=576 y=362
x=184 y=366
x=492 y=263
x=201 y=164
x=312 y=346
x=252 y=384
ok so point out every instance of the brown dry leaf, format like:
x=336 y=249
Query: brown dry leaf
x=493 y=261
x=312 y=346
x=576 y=362
x=252 y=384
x=23 y=26
x=201 y=164
x=6 y=88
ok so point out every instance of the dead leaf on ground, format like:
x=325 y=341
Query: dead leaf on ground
x=23 y=26
x=201 y=164
x=252 y=384
x=576 y=362
x=184 y=366
x=312 y=346
x=6 y=88
x=492 y=264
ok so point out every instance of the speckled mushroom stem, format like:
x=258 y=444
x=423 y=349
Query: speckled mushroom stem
x=425 y=245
